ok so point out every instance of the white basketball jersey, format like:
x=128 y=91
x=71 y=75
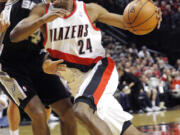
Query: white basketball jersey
x=74 y=38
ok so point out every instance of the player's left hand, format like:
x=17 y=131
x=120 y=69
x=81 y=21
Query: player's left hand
x=53 y=67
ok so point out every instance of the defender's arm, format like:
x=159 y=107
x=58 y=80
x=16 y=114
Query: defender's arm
x=28 y=25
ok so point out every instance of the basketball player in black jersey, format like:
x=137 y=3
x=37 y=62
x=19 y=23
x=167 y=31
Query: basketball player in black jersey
x=25 y=82
x=12 y=111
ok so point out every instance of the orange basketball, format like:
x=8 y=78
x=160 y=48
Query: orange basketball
x=140 y=16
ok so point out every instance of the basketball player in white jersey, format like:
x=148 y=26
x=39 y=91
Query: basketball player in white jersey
x=74 y=38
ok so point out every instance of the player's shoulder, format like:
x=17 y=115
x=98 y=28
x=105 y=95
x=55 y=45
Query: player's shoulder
x=92 y=6
x=41 y=5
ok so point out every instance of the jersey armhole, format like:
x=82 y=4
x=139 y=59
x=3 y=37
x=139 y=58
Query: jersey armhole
x=74 y=10
x=47 y=7
x=94 y=27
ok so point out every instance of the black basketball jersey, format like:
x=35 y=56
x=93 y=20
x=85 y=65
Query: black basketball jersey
x=21 y=52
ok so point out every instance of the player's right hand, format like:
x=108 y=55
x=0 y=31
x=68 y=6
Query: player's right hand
x=159 y=17
x=53 y=14
x=3 y=25
x=53 y=67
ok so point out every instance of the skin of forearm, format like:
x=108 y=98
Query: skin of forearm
x=24 y=29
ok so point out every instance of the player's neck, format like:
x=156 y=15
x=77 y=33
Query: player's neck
x=65 y=4
x=70 y=5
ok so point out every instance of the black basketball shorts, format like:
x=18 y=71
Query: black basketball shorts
x=21 y=84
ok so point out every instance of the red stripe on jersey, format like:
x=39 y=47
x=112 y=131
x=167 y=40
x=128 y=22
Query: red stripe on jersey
x=104 y=81
x=75 y=7
x=72 y=58
x=94 y=27
x=47 y=7
x=45 y=39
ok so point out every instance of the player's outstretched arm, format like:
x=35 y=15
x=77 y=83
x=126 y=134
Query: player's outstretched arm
x=104 y=16
x=98 y=13
x=36 y=20
x=28 y=25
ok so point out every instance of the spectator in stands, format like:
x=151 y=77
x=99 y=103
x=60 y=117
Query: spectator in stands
x=123 y=96
x=138 y=70
x=160 y=63
x=156 y=71
x=134 y=84
x=166 y=76
x=176 y=19
x=133 y=51
x=151 y=84
x=163 y=7
x=144 y=52
x=166 y=63
x=175 y=85
x=177 y=66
